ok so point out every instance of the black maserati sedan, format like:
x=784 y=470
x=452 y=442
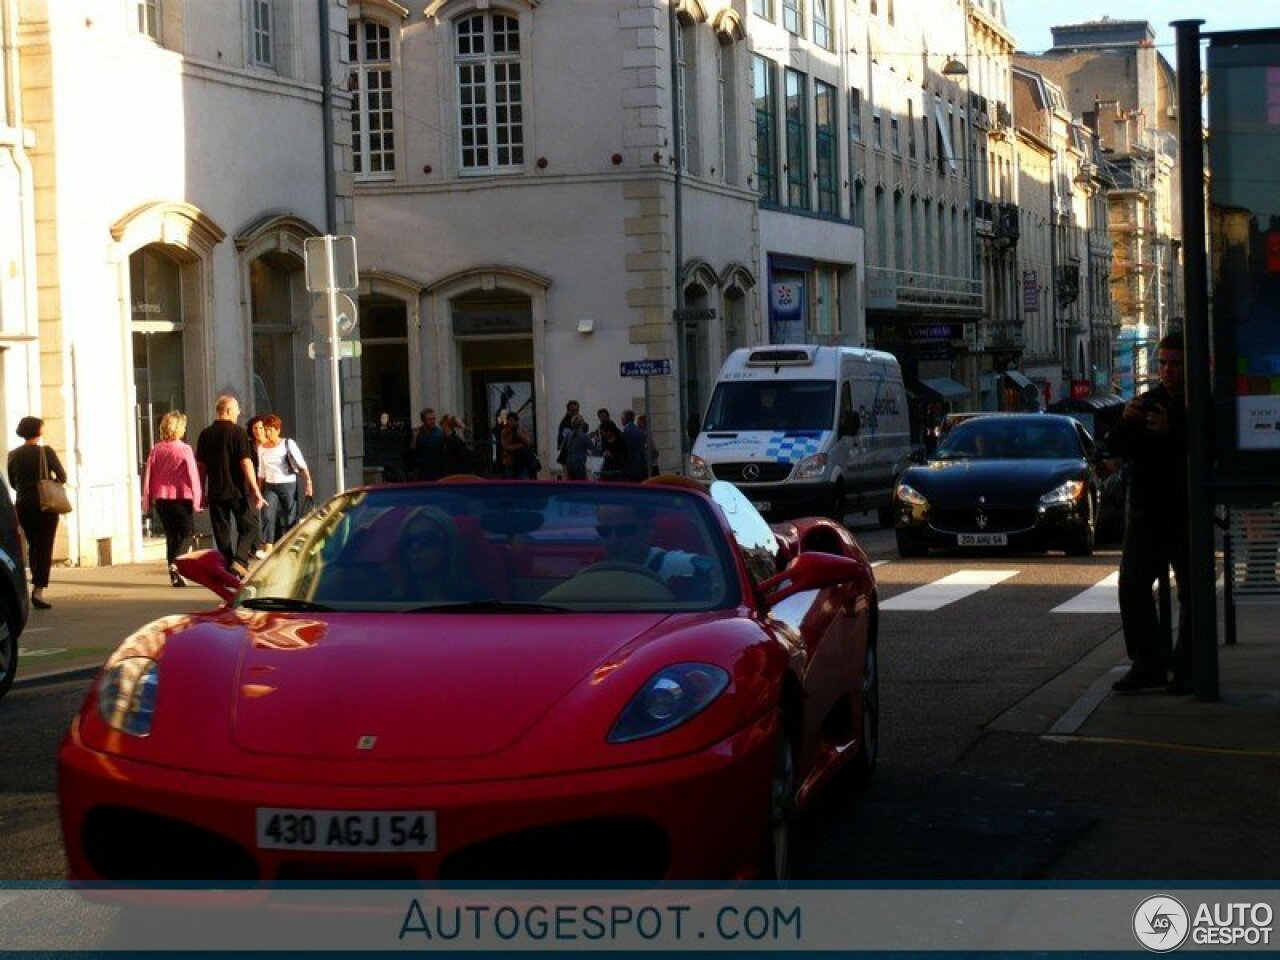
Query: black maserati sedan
x=1020 y=481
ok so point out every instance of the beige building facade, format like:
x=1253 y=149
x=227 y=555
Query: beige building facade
x=170 y=163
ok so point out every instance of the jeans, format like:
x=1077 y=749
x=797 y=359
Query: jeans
x=1153 y=544
x=278 y=515
x=222 y=515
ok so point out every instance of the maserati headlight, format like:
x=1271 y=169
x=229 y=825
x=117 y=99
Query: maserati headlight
x=910 y=495
x=812 y=467
x=669 y=698
x=127 y=695
x=699 y=470
x=1064 y=495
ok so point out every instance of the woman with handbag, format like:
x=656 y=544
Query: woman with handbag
x=284 y=477
x=171 y=484
x=37 y=476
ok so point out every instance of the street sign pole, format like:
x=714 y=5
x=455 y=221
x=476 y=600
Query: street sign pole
x=331 y=294
x=648 y=438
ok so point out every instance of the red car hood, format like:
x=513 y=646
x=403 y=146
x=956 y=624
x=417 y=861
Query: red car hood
x=425 y=686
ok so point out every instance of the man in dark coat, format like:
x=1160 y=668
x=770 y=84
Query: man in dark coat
x=1152 y=437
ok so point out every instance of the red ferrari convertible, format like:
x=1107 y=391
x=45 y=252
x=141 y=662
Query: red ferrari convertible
x=486 y=681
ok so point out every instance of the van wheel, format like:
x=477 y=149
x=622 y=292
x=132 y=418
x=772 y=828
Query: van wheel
x=885 y=517
x=839 y=504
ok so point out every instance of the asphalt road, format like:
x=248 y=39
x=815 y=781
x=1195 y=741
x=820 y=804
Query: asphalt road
x=954 y=798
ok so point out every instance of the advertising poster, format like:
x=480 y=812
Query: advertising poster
x=786 y=310
x=1244 y=124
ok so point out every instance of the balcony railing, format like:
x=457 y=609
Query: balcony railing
x=891 y=288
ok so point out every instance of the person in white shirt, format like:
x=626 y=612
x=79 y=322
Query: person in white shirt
x=281 y=467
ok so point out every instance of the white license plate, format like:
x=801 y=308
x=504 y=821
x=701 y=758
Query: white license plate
x=764 y=506
x=347 y=831
x=981 y=540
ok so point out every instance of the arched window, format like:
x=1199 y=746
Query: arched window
x=490 y=90
x=373 y=145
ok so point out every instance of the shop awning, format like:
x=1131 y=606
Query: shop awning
x=1020 y=379
x=939 y=388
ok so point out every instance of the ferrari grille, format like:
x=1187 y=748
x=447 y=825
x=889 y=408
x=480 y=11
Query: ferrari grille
x=614 y=848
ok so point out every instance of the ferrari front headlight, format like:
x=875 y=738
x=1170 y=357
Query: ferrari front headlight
x=127 y=695
x=669 y=698
x=1063 y=495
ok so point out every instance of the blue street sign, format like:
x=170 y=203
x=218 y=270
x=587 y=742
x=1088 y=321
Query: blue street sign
x=645 y=368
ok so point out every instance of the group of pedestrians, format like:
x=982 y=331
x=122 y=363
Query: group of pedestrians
x=251 y=479
x=625 y=452
x=438 y=448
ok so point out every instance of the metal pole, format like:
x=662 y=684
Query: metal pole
x=677 y=242
x=326 y=109
x=648 y=443
x=1202 y=594
x=331 y=296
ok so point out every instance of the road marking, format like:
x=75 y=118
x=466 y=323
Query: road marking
x=36 y=630
x=949 y=589
x=1102 y=597
x=878 y=563
x=44 y=652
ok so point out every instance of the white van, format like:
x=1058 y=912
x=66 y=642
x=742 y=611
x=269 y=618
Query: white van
x=803 y=429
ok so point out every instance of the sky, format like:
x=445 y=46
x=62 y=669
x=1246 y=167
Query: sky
x=1030 y=20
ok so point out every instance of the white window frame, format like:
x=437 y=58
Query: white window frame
x=365 y=71
x=149 y=19
x=262 y=34
x=491 y=63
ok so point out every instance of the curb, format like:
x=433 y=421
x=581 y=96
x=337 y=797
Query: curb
x=55 y=676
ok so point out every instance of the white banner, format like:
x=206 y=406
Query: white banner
x=742 y=920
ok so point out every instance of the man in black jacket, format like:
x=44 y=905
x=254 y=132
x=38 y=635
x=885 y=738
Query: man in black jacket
x=1152 y=437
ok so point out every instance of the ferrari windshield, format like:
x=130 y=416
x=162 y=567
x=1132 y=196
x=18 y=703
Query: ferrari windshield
x=522 y=548
x=997 y=437
x=772 y=405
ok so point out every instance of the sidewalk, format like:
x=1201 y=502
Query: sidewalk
x=94 y=608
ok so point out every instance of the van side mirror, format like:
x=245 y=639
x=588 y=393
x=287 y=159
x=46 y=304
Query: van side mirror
x=850 y=424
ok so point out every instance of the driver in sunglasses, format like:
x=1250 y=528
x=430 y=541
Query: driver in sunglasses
x=625 y=532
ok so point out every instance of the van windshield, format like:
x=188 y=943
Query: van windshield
x=772 y=405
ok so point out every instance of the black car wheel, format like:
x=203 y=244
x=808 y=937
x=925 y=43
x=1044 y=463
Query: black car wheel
x=1082 y=545
x=885 y=517
x=909 y=548
x=8 y=653
x=776 y=862
x=839 y=504
x=863 y=766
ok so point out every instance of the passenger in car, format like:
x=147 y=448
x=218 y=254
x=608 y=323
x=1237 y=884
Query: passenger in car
x=431 y=564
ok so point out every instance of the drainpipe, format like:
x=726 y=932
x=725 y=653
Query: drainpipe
x=26 y=188
x=677 y=244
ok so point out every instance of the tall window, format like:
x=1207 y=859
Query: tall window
x=882 y=230
x=899 y=233
x=824 y=119
x=859 y=204
x=822 y=24
x=372 y=127
x=765 y=89
x=275 y=285
x=763 y=8
x=490 y=93
x=261 y=40
x=797 y=140
x=793 y=16
x=894 y=140
x=149 y=19
x=855 y=115
x=911 y=130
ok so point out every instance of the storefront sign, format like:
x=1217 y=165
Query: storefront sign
x=1079 y=389
x=935 y=331
x=1030 y=292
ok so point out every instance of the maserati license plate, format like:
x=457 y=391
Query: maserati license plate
x=764 y=506
x=349 y=831
x=981 y=540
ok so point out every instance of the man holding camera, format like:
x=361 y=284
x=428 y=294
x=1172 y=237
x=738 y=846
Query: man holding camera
x=1152 y=437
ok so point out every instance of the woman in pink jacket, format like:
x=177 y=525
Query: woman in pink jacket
x=171 y=483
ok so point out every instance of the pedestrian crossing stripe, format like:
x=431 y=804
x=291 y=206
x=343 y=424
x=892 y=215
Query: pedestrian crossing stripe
x=953 y=587
x=1102 y=597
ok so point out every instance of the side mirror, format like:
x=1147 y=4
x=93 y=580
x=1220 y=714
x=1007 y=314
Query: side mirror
x=209 y=569
x=918 y=455
x=809 y=571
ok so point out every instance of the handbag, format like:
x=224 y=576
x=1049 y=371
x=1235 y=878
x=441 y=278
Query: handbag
x=289 y=462
x=53 y=495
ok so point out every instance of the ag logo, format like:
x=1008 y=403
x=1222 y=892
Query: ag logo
x=1161 y=923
